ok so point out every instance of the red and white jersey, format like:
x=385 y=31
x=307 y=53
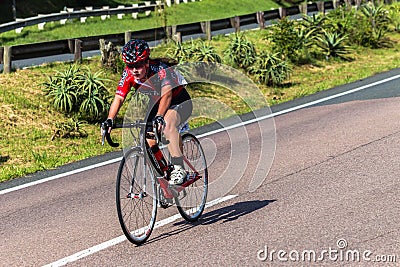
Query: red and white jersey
x=159 y=75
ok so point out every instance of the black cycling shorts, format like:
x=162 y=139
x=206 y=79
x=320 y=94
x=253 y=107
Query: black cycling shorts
x=181 y=103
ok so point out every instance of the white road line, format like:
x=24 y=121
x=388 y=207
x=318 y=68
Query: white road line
x=4 y=191
x=120 y=239
x=301 y=106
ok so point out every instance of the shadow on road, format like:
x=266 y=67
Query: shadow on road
x=221 y=215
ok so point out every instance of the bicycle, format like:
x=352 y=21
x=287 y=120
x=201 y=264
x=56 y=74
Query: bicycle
x=142 y=183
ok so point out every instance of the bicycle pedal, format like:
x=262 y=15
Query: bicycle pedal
x=166 y=203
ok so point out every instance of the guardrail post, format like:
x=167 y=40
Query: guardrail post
x=78 y=51
x=63 y=21
x=71 y=45
x=235 y=22
x=177 y=37
x=7 y=59
x=321 y=7
x=260 y=19
x=128 y=36
x=173 y=30
x=120 y=16
x=303 y=8
x=335 y=3
x=282 y=12
x=206 y=27
x=168 y=32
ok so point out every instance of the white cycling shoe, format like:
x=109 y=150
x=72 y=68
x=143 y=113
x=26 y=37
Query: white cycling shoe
x=178 y=175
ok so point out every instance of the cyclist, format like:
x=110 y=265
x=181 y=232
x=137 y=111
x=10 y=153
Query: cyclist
x=170 y=102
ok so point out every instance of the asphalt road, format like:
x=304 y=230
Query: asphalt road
x=330 y=198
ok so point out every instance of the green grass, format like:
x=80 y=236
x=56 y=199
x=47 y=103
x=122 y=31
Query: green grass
x=175 y=15
x=28 y=121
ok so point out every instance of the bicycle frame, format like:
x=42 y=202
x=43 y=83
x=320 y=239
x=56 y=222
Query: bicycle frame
x=169 y=191
x=141 y=188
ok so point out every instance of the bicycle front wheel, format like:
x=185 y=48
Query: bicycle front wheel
x=192 y=200
x=136 y=197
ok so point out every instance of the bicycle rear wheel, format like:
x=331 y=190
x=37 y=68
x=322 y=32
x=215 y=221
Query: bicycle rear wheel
x=192 y=200
x=136 y=197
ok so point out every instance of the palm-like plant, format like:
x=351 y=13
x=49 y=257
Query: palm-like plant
x=377 y=16
x=93 y=95
x=270 y=69
x=205 y=52
x=77 y=92
x=314 y=23
x=240 y=52
x=181 y=52
x=333 y=45
x=61 y=89
x=205 y=57
x=394 y=16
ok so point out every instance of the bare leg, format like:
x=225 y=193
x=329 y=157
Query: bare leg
x=172 y=120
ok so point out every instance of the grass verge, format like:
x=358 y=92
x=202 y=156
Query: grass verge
x=28 y=121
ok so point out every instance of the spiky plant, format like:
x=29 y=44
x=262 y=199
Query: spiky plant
x=270 y=69
x=333 y=45
x=92 y=95
x=240 y=52
x=61 y=89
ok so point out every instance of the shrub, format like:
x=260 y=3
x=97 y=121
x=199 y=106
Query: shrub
x=394 y=16
x=314 y=24
x=240 y=52
x=93 y=95
x=198 y=51
x=332 y=44
x=77 y=92
x=61 y=89
x=367 y=26
x=270 y=69
x=73 y=128
x=377 y=20
x=286 y=39
x=195 y=51
x=377 y=16
x=181 y=52
x=205 y=52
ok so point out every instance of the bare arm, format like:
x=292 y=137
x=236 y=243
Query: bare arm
x=115 y=106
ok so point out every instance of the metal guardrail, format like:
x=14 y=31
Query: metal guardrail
x=141 y=8
x=76 y=46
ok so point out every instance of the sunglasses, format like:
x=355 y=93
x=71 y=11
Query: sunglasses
x=137 y=65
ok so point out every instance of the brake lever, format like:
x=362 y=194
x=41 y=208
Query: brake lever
x=103 y=134
x=106 y=136
x=103 y=137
